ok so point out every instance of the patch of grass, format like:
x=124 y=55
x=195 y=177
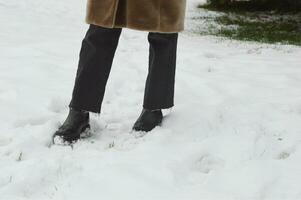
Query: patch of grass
x=253 y=5
x=259 y=26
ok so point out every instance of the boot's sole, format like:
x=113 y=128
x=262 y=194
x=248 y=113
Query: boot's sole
x=136 y=129
x=84 y=133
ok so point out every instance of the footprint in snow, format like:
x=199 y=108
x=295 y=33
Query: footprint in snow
x=283 y=155
x=208 y=163
x=211 y=55
x=34 y=121
x=5 y=141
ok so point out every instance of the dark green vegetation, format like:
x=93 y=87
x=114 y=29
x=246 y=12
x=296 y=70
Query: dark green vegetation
x=258 y=27
x=254 y=5
x=255 y=22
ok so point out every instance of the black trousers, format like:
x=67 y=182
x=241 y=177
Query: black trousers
x=96 y=57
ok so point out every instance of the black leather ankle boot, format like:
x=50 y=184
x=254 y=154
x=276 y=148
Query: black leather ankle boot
x=76 y=123
x=148 y=120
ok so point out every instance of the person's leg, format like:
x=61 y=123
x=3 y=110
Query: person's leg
x=96 y=57
x=159 y=88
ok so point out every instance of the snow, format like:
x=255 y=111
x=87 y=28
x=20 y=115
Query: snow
x=235 y=132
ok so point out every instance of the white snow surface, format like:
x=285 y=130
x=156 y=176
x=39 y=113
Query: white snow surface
x=234 y=133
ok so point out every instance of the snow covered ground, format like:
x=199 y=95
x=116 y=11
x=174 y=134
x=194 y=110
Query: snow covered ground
x=234 y=134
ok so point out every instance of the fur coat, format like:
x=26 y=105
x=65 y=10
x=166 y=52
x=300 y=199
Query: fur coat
x=165 y=16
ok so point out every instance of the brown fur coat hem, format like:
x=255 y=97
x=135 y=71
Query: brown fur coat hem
x=164 y=16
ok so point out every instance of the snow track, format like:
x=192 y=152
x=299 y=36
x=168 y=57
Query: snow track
x=235 y=132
